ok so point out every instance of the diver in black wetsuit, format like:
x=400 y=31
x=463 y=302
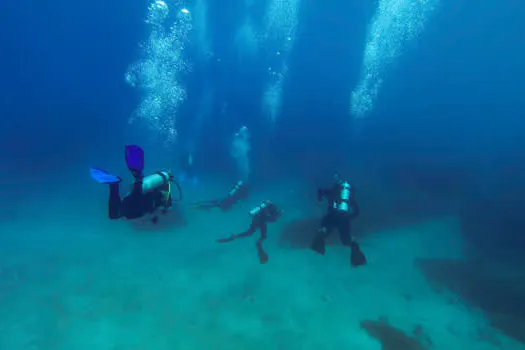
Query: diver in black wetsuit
x=237 y=193
x=342 y=209
x=147 y=194
x=265 y=213
x=138 y=201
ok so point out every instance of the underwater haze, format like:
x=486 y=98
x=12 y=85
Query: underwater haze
x=399 y=122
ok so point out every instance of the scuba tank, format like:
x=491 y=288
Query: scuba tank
x=344 y=198
x=235 y=188
x=155 y=181
x=258 y=209
x=160 y=180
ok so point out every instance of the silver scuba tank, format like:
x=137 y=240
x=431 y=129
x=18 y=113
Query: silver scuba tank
x=154 y=181
x=258 y=209
x=342 y=204
x=236 y=188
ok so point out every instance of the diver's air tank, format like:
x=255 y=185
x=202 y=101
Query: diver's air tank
x=258 y=209
x=344 y=196
x=236 y=188
x=155 y=181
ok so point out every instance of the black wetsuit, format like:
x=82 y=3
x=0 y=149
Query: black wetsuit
x=237 y=193
x=268 y=213
x=136 y=204
x=335 y=219
x=340 y=220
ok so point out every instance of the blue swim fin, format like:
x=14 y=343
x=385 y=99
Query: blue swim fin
x=103 y=177
x=135 y=158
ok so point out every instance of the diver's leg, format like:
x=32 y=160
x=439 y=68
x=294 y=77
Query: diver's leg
x=318 y=244
x=136 y=205
x=263 y=257
x=115 y=203
x=357 y=258
x=251 y=230
x=246 y=233
x=344 y=232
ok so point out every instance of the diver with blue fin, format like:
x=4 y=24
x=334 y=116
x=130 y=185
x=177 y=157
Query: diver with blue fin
x=342 y=210
x=148 y=193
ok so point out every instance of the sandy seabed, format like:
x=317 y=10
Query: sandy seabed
x=71 y=279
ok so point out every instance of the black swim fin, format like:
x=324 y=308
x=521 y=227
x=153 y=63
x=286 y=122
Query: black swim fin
x=357 y=258
x=318 y=245
x=263 y=257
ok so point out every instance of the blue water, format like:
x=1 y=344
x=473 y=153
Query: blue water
x=438 y=165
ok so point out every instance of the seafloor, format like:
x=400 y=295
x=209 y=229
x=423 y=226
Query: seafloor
x=71 y=279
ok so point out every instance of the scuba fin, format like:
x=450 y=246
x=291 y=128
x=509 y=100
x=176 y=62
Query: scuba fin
x=103 y=177
x=318 y=245
x=357 y=258
x=135 y=159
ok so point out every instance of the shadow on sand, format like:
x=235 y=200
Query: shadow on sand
x=392 y=338
x=160 y=222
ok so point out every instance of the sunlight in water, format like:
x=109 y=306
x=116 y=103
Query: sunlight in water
x=278 y=38
x=396 y=23
x=157 y=74
x=246 y=37
x=272 y=98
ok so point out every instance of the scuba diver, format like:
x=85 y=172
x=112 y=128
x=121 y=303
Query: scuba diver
x=265 y=213
x=148 y=193
x=237 y=193
x=342 y=209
